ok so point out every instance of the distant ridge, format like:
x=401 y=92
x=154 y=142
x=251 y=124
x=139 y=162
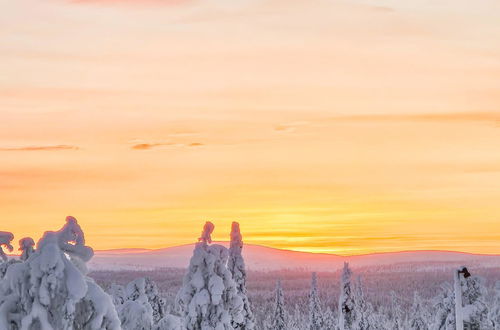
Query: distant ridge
x=259 y=257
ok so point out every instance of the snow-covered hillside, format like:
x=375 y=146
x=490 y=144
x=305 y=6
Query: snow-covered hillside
x=265 y=258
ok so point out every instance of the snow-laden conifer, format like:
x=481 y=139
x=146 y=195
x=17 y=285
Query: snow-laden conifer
x=236 y=266
x=279 y=321
x=118 y=294
x=397 y=316
x=444 y=309
x=364 y=312
x=330 y=322
x=135 y=315
x=315 y=312
x=169 y=322
x=347 y=312
x=208 y=298
x=296 y=320
x=418 y=317
x=494 y=312
x=146 y=291
x=50 y=290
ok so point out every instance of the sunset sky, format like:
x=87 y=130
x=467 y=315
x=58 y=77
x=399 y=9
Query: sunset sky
x=339 y=126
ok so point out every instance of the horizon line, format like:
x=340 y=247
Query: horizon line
x=145 y=250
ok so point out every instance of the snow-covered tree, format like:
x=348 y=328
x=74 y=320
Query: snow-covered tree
x=347 y=312
x=330 y=322
x=140 y=306
x=397 y=316
x=5 y=239
x=444 y=309
x=208 y=298
x=295 y=319
x=494 y=312
x=418 y=317
x=279 y=321
x=135 y=315
x=118 y=294
x=315 y=312
x=26 y=246
x=169 y=322
x=96 y=310
x=364 y=310
x=50 y=290
x=236 y=266
x=146 y=291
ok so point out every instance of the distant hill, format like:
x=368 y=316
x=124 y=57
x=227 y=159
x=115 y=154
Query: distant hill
x=265 y=258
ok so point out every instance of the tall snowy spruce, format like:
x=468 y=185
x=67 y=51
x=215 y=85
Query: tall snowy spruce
x=208 y=299
x=364 y=311
x=347 y=312
x=397 y=316
x=145 y=290
x=444 y=309
x=315 y=314
x=140 y=306
x=330 y=322
x=50 y=289
x=236 y=266
x=296 y=320
x=494 y=313
x=279 y=317
x=418 y=317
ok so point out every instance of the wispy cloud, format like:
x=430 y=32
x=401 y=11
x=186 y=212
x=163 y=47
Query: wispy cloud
x=290 y=127
x=134 y=2
x=41 y=148
x=448 y=117
x=149 y=146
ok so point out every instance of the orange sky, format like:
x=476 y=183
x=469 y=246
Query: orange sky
x=327 y=126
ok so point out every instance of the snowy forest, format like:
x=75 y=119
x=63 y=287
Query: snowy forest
x=49 y=287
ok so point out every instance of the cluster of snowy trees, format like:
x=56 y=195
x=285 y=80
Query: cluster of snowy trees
x=48 y=288
x=459 y=307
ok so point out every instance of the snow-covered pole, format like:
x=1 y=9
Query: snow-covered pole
x=459 y=317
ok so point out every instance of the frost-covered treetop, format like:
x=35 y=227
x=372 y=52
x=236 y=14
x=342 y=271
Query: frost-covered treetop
x=236 y=238
x=71 y=240
x=208 y=298
x=26 y=245
x=206 y=234
x=5 y=239
x=346 y=273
